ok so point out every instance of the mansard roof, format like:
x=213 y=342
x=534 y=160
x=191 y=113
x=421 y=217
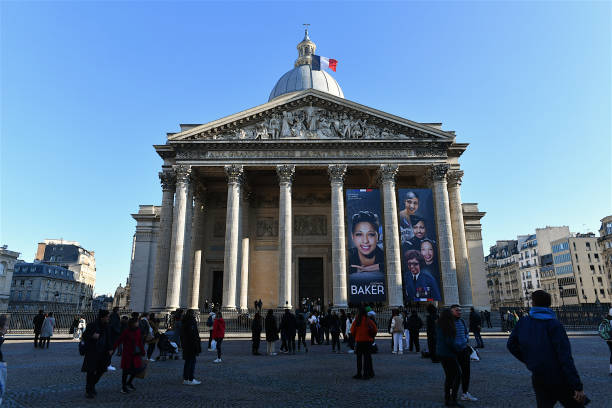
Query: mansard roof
x=398 y=126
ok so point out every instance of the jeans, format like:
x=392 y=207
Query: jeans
x=41 y=344
x=451 y=379
x=548 y=395
x=335 y=341
x=414 y=340
x=301 y=340
x=256 y=341
x=397 y=342
x=478 y=338
x=270 y=345
x=189 y=368
x=364 y=358
x=219 y=341
x=463 y=358
x=92 y=379
x=210 y=339
x=407 y=335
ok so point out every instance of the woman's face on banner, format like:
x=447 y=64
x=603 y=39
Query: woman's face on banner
x=412 y=205
x=419 y=230
x=427 y=252
x=365 y=238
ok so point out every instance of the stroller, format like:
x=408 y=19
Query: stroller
x=168 y=349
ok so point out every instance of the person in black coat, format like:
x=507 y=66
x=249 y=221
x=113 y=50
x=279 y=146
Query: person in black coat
x=271 y=332
x=190 y=340
x=288 y=327
x=256 y=333
x=432 y=316
x=98 y=351
x=301 y=330
x=38 y=322
x=414 y=325
x=475 y=326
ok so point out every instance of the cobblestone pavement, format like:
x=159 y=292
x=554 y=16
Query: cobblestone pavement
x=52 y=378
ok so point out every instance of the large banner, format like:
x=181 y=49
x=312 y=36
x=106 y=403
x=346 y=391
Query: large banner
x=366 y=256
x=420 y=267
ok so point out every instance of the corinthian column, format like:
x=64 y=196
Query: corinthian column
x=437 y=178
x=197 y=243
x=160 y=283
x=387 y=173
x=460 y=244
x=285 y=177
x=234 y=175
x=336 y=177
x=244 y=249
x=187 y=251
x=179 y=230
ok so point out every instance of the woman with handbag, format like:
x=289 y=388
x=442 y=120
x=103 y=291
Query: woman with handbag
x=131 y=356
x=190 y=339
x=447 y=350
x=218 y=334
x=154 y=332
x=363 y=331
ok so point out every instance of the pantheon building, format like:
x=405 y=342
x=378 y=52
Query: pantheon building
x=309 y=195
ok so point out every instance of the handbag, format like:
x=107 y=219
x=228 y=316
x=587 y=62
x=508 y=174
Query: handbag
x=213 y=345
x=474 y=354
x=142 y=371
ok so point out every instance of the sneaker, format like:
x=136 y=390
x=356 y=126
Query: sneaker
x=217 y=360
x=131 y=386
x=186 y=382
x=394 y=352
x=124 y=390
x=111 y=368
x=151 y=359
x=274 y=354
x=196 y=382
x=468 y=397
x=351 y=351
x=210 y=349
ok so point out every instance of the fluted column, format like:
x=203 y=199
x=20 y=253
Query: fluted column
x=179 y=229
x=187 y=250
x=336 y=177
x=197 y=243
x=285 y=177
x=234 y=175
x=244 y=248
x=437 y=178
x=387 y=173
x=460 y=243
x=160 y=283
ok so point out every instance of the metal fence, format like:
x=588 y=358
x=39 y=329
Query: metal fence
x=574 y=317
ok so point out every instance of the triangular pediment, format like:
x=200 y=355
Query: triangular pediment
x=312 y=114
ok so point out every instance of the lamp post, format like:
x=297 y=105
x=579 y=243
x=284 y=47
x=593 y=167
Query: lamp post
x=561 y=295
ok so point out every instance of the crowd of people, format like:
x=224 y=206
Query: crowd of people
x=538 y=340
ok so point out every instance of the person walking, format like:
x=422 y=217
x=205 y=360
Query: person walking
x=313 y=322
x=351 y=340
x=324 y=323
x=256 y=333
x=414 y=326
x=288 y=329
x=37 y=323
x=98 y=351
x=73 y=328
x=190 y=339
x=81 y=326
x=334 y=330
x=541 y=343
x=363 y=329
x=488 y=319
x=271 y=332
x=462 y=341
x=397 y=331
x=218 y=334
x=209 y=323
x=301 y=330
x=124 y=326
x=432 y=316
x=447 y=350
x=46 y=331
x=115 y=326
x=154 y=325
x=132 y=347
x=475 y=327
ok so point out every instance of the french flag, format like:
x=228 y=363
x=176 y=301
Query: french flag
x=319 y=62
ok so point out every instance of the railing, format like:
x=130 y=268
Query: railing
x=573 y=317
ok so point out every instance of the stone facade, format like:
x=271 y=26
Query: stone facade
x=246 y=199
x=144 y=256
x=8 y=259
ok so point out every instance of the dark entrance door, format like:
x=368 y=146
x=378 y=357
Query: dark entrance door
x=217 y=288
x=310 y=271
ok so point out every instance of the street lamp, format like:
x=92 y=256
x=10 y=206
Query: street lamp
x=561 y=295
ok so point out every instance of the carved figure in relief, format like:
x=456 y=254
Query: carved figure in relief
x=261 y=131
x=324 y=131
x=275 y=126
x=286 y=124
x=345 y=122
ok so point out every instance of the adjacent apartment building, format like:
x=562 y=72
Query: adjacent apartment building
x=8 y=259
x=605 y=244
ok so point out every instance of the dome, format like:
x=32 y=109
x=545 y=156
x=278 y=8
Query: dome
x=303 y=76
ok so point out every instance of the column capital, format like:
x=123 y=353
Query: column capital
x=437 y=172
x=387 y=172
x=168 y=180
x=454 y=178
x=285 y=173
x=183 y=173
x=337 y=172
x=234 y=173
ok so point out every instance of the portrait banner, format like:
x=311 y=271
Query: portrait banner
x=366 y=256
x=417 y=225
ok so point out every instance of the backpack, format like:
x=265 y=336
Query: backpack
x=605 y=330
x=209 y=322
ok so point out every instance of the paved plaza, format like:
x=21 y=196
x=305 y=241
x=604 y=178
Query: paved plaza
x=52 y=378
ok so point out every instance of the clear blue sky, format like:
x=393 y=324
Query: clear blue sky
x=88 y=87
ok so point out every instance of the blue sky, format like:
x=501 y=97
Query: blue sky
x=88 y=87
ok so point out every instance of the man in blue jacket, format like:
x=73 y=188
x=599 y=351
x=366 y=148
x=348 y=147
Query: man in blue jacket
x=539 y=340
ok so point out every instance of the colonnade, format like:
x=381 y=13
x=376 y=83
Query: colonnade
x=181 y=247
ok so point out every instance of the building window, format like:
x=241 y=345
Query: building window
x=596 y=257
x=588 y=246
x=592 y=268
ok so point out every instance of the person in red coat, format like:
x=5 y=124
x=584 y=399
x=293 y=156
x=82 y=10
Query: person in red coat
x=363 y=331
x=131 y=357
x=218 y=334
